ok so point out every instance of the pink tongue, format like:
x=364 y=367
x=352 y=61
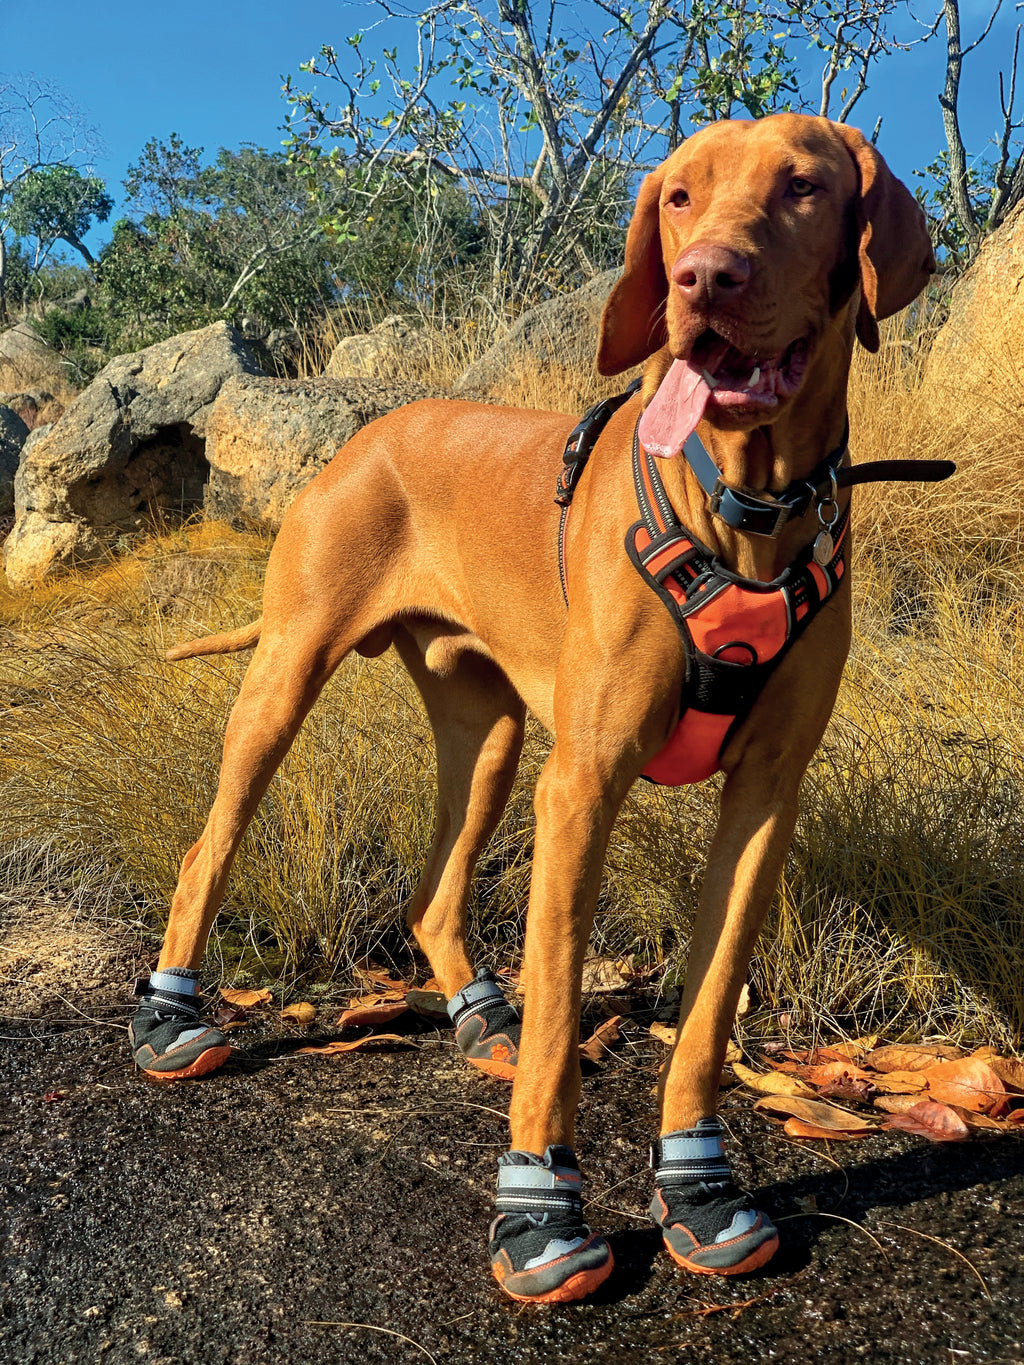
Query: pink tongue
x=674 y=411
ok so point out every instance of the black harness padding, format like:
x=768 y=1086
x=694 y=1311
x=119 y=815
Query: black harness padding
x=581 y=442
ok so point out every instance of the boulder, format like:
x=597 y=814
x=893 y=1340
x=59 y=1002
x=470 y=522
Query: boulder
x=130 y=447
x=13 y=435
x=559 y=332
x=267 y=438
x=375 y=353
x=25 y=357
x=980 y=347
x=29 y=404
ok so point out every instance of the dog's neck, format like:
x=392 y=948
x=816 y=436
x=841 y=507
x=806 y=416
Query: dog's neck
x=764 y=459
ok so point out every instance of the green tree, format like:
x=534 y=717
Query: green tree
x=541 y=113
x=58 y=204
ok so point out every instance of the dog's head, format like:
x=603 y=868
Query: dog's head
x=745 y=247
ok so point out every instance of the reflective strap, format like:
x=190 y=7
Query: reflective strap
x=690 y=1155
x=484 y=989
x=179 y=981
x=538 y=1189
x=538 y=1178
x=674 y=1148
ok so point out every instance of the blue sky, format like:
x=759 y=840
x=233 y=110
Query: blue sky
x=211 y=70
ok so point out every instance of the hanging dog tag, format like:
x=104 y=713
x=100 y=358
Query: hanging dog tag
x=823 y=547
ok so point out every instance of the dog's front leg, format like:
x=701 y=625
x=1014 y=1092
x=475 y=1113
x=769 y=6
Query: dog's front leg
x=541 y=1251
x=709 y=1225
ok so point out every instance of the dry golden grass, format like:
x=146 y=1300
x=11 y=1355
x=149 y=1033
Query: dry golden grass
x=901 y=904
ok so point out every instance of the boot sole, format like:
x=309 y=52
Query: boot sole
x=754 y=1261
x=206 y=1062
x=575 y=1287
x=503 y=1071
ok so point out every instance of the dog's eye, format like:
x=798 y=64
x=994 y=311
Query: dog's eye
x=801 y=188
x=679 y=199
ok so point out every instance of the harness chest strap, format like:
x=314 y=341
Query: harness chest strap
x=735 y=630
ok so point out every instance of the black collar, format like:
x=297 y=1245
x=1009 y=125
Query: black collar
x=764 y=514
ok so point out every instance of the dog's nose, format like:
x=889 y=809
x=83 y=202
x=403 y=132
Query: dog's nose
x=705 y=273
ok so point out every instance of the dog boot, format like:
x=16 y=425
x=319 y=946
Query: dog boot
x=167 y=1039
x=709 y=1225
x=541 y=1250
x=487 y=1027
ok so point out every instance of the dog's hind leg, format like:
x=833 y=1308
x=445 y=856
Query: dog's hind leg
x=284 y=679
x=477 y=718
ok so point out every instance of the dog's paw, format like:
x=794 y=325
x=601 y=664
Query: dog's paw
x=541 y=1250
x=709 y=1225
x=487 y=1027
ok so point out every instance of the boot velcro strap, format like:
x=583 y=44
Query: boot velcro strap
x=689 y=1155
x=538 y=1189
x=483 y=991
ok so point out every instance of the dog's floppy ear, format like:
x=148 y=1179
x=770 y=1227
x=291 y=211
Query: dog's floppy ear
x=633 y=321
x=895 y=251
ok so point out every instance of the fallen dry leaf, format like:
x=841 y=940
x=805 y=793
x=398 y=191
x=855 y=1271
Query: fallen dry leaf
x=985 y=1054
x=856 y=1048
x=605 y=974
x=302 y=1012
x=227 y=1016
x=431 y=1004
x=371 y=1015
x=381 y=981
x=801 y=1129
x=375 y=998
x=910 y=1056
x=247 y=999
x=900 y=1082
x=816 y=1114
x=896 y=1104
x=1010 y=1071
x=597 y=1046
x=733 y=1053
x=771 y=1082
x=969 y=1083
x=937 y=1122
x=329 y=1048
x=665 y=1033
x=815 y=1056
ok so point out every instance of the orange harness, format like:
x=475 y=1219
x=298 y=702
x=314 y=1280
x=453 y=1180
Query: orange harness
x=735 y=630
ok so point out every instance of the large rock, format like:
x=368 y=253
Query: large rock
x=980 y=348
x=266 y=438
x=559 y=332
x=375 y=354
x=13 y=435
x=25 y=358
x=130 y=447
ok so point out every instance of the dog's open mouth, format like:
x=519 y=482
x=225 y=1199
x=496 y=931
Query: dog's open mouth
x=736 y=379
x=718 y=372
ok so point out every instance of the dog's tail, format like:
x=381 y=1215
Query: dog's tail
x=231 y=642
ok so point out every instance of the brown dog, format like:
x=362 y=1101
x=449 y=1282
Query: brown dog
x=756 y=254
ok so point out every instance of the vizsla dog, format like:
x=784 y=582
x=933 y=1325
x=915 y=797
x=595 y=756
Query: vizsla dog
x=704 y=625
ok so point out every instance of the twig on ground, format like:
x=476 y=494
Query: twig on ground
x=939 y=1242
x=369 y=1327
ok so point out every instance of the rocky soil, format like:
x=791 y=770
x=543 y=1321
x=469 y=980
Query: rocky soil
x=297 y=1208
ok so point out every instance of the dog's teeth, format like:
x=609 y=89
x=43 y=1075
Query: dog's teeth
x=710 y=380
x=754 y=377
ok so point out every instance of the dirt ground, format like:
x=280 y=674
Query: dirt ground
x=306 y=1209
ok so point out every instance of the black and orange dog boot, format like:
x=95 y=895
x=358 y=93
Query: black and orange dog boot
x=541 y=1250
x=487 y=1027
x=168 y=1040
x=709 y=1225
